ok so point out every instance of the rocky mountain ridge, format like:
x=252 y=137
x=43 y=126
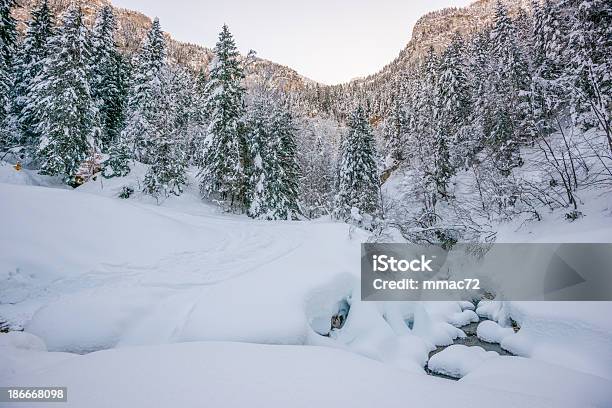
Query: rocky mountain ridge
x=434 y=29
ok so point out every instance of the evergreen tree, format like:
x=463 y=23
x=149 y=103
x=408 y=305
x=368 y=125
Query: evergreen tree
x=273 y=171
x=35 y=49
x=223 y=172
x=108 y=81
x=8 y=31
x=168 y=161
x=284 y=128
x=443 y=169
x=8 y=38
x=588 y=58
x=549 y=91
x=510 y=79
x=117 y=164
x=139 y=130
x=6 y=83
x=479 y=69
x=395 y=133
x=453 y=101
x=65 y=111
x=358 y=180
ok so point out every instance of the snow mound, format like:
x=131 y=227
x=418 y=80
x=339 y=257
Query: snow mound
x=492 y=332
x=577 y=335
x=541 y=379
x=490 y=309
x=22 y=340
x=9 y=175
x=459 y=360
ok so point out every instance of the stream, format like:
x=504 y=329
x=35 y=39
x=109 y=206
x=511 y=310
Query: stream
x=470 y=340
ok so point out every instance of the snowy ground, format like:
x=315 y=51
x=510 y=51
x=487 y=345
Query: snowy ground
x=165 y=297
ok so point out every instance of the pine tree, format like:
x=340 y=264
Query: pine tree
x=196 y=142
x=117 y=164
x=510 y=79
x=395 y=133
x=35 y=49
x=64 y=108
x=139 y=130
x=443 y=169
x=223 y=172
x=6 y=83
x=479 y=69
x=453 y=102
x=358 y=180
x=168 y=161
x=8 y=38
x=8 y=31
x=284 y=127
x=273 y=172
x=549 y=90
x=108 y=79
x=588 y=58
x=259 y=142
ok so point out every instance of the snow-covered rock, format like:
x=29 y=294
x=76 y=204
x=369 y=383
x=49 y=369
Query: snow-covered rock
x=492 y=332
x=458 y=360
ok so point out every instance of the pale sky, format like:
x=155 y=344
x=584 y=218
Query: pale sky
x=330 y=41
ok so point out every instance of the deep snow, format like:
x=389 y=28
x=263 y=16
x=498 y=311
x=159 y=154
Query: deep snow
x=86 y=271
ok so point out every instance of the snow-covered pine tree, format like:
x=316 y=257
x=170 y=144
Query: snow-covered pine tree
x=139 y=129
x=8 y=38
x=548 y=91
x=259 y=141
x=358 y=179
x=34 y=50
x=283 y=126
x=273 y=171
x=108 y=79
x=8 y=31
x=223 y=171
x=510 y=77
x=590 y=65
x=65 y=111
x=117 y=164
x=168 y=161
x=316 y=161
x=6 y=138
x=453 y=102
x=443 y=169
x=395 y=129
x=479 y=69
x=195 y=145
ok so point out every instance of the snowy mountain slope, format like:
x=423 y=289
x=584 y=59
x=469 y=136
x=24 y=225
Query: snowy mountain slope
x=133 y=27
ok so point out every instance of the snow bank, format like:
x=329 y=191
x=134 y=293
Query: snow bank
x=459 y=360
x=541 y=379
x=22 y=340
x=577 y=335
x=219 y=374
x=9 y=175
